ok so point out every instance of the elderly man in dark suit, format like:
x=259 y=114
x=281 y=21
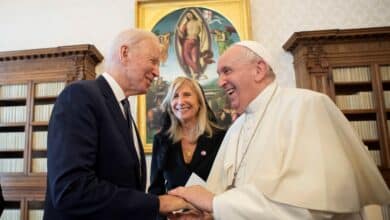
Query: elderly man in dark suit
x=96 y=163
x=1 y=201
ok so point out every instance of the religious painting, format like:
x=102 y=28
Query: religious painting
x=192 y=34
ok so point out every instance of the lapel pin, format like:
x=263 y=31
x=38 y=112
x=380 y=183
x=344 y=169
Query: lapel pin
x=203 y=153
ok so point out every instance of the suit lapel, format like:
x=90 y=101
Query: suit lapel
x=114 y=107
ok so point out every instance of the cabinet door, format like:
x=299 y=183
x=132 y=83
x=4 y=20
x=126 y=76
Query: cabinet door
x=354 y=95
x=45 y=94
x=13 y=120
x=384 y=72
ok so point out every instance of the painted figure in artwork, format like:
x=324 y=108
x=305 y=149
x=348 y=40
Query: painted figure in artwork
x=189 y=33
x=164 y=42
x=193 y=44
x=223 y=38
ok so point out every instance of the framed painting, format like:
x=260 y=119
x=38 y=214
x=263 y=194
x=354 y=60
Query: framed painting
x=192 y=34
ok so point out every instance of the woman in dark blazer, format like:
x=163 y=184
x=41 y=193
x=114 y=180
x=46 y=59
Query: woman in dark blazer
x=188 y=140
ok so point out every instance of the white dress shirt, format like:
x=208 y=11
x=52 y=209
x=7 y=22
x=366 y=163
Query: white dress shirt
x=119 y=96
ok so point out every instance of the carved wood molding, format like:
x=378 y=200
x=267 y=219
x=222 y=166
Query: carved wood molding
x=63 y=51
x=316 y=59
x=71 y=62
x=333 y=35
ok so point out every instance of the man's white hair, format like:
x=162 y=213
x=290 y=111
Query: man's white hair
x=129 y=37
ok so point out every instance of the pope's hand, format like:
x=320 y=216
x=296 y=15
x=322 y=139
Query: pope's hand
x=196 y=195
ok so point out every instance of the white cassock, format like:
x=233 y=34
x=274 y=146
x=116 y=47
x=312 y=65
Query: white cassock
x=303 y=161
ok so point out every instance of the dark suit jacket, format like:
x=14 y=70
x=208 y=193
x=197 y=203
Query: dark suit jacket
x=93 y=169
x=169 y=170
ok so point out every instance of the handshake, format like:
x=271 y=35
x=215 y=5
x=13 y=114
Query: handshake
x=186 y=203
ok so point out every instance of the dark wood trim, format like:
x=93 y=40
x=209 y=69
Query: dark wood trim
x=335 y=35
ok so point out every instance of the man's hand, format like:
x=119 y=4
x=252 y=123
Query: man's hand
x=196 y=195
x=190 y=215
x=169 y=203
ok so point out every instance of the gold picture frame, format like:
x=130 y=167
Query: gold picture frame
x=164 y=17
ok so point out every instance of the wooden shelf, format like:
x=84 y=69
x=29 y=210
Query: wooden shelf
x=353 y=83
x=358 y=111
x=14 y=100
x=352 y=88
x=10 y=174
x=39 y=153
x=45 y=98
x=9 y=150
x=13 y=124
x=370 y=141
x=40 y=123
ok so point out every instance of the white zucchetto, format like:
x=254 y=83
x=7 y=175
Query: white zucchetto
x=260 y=50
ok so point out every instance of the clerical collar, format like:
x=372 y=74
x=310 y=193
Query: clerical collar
x=261 y=99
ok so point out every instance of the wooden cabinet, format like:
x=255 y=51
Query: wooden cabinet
x=30 y=81
x=353 y=67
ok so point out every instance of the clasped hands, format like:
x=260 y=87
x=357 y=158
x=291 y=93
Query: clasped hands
x=186 y=203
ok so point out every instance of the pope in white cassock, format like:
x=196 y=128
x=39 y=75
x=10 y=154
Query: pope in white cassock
x=290 y=155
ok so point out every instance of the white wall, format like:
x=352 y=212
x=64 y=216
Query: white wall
x=274 y=22
x=28 y=24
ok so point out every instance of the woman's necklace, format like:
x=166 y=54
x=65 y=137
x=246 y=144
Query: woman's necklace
x=188 y=156
x=188 y=149
x=237 y=168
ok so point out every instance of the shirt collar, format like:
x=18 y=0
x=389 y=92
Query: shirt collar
x=262 y=99
x=118 y=92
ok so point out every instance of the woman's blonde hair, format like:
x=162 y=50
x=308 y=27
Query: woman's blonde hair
x=203 y=125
